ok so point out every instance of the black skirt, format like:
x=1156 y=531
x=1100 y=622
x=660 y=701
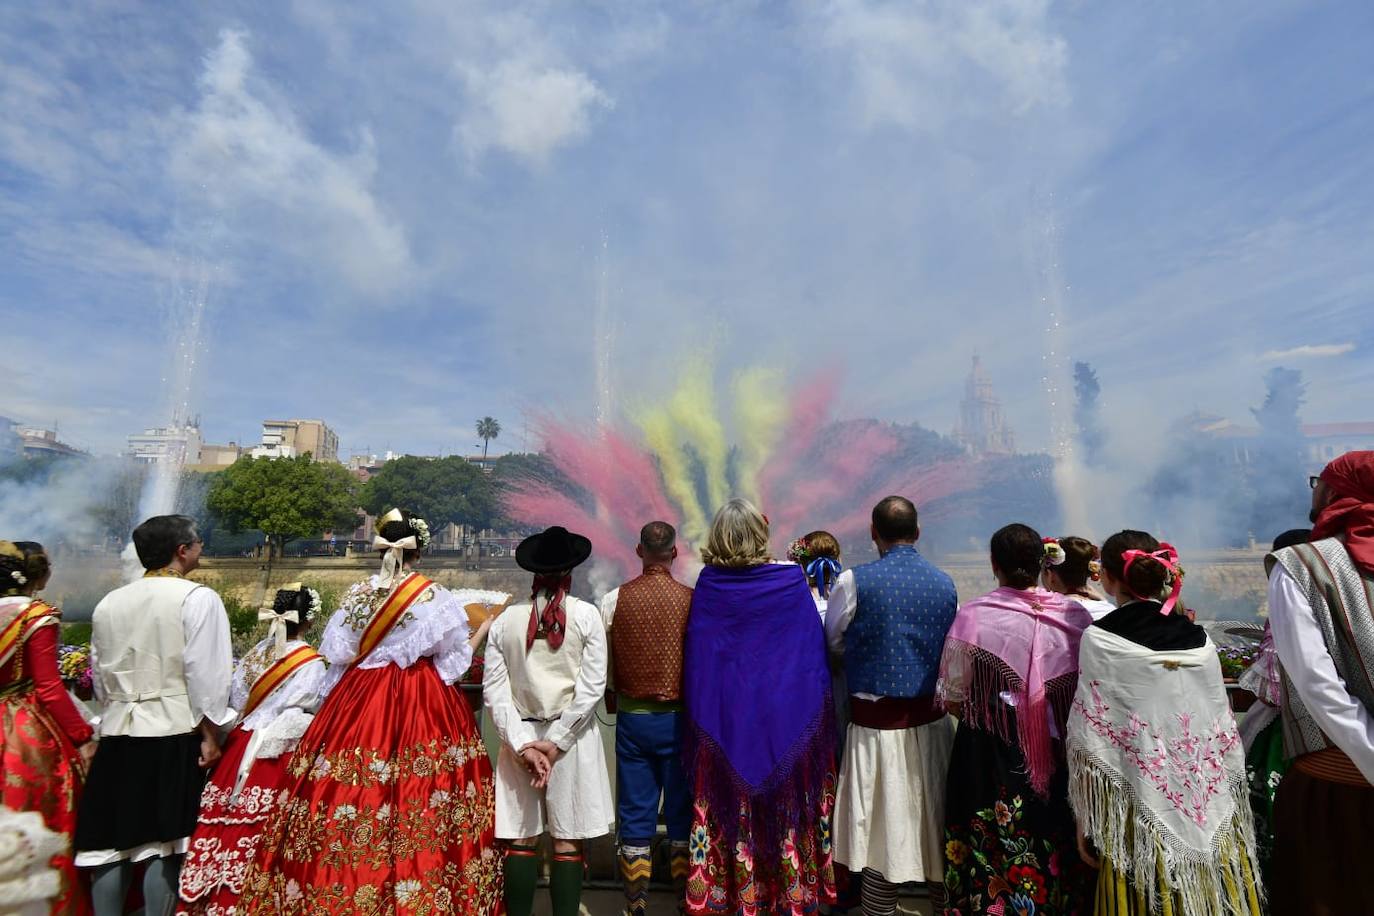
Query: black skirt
x=1004 y=844
x=140 y=791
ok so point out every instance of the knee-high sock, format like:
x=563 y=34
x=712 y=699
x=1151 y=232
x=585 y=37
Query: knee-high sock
x=522 y=874
x=635 y=868
x=160 y=886
x=679 y=866
x=880 y=895
x=110 y=887
x=565 y=883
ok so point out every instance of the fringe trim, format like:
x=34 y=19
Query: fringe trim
x=989 y=678
x=1129 y=833
x=789 y=799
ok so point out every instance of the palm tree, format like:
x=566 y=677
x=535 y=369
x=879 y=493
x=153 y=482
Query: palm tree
x=488 y=428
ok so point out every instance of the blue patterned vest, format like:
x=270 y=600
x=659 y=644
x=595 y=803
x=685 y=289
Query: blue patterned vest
x=905 y=607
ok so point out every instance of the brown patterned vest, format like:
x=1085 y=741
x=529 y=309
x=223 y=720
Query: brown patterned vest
x=647 y=633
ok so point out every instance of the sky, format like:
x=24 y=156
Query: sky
x=403 y=219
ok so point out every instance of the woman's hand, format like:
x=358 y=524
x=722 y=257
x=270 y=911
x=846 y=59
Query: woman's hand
x=87 y=751
x=479 y=635
x=1085 y=850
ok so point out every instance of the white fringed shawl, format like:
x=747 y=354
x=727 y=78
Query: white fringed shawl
x=1157 y=772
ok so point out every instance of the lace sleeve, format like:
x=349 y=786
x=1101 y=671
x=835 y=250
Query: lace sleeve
x=439 y=630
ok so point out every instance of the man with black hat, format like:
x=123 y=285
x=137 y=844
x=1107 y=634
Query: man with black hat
x=546 y=664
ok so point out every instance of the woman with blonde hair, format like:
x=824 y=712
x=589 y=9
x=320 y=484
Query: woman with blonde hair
x=760 y=743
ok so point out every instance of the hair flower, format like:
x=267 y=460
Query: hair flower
x=19 y=577
x=314 y=603
x=421 y=529
x=1054 y=553
x=797 y=551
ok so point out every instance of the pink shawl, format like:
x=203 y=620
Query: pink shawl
x=1016 y=650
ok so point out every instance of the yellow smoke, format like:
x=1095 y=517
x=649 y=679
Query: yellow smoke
x=760 y=412
x=693 y=412
x=662 y=440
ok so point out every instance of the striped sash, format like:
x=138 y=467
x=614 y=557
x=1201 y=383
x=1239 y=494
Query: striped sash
x=277 y=675
x=391 y=612
x=21 y=626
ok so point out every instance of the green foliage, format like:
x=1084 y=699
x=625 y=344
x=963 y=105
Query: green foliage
x=439 y=490
x=243 y=625
x=285 y=498
x=76 y=634
x=488 y=428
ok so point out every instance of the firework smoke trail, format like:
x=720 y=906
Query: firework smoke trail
x=542 y=507
x=696 y=417
x=929 y=488
x=760 y=412
x=828 y=476
x=657 y=426
x=810 y=412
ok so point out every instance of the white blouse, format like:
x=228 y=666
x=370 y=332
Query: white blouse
x=300 y=692
x=434 y=626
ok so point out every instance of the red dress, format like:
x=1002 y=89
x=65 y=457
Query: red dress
x=390 y=803
x=40 y=730
x=229 y=827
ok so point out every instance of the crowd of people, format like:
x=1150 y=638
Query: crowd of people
x=811 y=736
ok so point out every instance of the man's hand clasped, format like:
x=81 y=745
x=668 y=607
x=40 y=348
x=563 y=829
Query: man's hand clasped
x=539 y=758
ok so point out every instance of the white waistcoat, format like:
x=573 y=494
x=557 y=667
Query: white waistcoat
x=140 y=643
x=542 y=680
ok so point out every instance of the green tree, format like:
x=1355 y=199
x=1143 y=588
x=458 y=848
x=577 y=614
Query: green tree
x=284 y=498
x=488 y=428
x=439 y=490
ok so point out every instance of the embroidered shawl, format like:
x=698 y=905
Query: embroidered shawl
x=1013 y=654
x=760 y=721
x=1157 y=773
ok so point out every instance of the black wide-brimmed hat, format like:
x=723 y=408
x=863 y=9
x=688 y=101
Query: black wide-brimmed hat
x=552 y=550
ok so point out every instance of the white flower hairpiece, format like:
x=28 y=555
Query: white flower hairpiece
x=421 y=530
x=1054 y=553
x=19 y=577
x=314 y=603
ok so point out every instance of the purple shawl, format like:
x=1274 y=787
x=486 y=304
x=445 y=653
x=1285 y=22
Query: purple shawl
x=757 y=689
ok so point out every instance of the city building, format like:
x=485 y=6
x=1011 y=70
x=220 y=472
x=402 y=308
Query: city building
x=982 y=429
x=35 y=442
x=179 y=443
x=216 y=457
x=290 y=438
x=9 y=439
x=1321 y=441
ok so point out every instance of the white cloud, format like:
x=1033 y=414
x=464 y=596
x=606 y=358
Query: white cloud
x=918 y=65
x=527 y=107
x=1310 y=351
x=245 y=149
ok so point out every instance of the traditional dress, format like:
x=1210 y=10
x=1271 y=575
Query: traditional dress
x=1011 y=662
x=389 y=793
x=161 y=660
x=646 y=620
x=40 y=730
x=760 y=744
x=1261 y=734
x=1157 y=773
x=29 y=884
x=887 y=620
x=277 y=688
x=1320 y=614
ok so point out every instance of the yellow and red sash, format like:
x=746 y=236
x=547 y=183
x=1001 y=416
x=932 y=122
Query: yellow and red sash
x=276 y=675
x=391 y=611
x=18 y=629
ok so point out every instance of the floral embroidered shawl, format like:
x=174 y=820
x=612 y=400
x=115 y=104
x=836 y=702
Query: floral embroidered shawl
x=1157 y=772
x=1016 y=650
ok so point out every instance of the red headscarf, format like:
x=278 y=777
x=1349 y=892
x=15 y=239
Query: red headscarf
x=1351 y=479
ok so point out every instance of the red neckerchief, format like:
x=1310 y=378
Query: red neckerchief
x=554 y=620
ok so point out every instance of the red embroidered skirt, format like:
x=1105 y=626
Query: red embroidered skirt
x=228 y=830
x=390 y=806
x=41 y=771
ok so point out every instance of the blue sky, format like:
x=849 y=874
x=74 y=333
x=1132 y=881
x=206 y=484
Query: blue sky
x=402 y=220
